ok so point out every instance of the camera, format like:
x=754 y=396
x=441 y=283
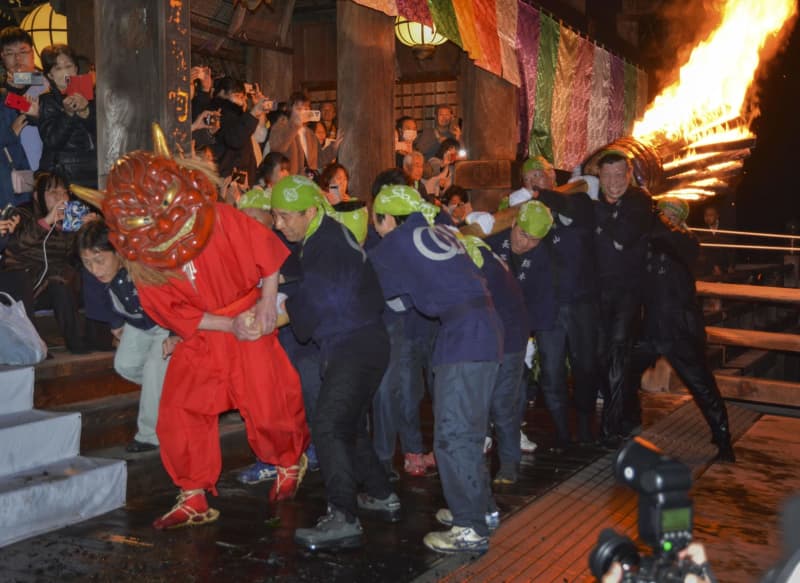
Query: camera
x=211 y=119
x=665 y=517
x=8 y=212
x=74 y=211
x=311 y=115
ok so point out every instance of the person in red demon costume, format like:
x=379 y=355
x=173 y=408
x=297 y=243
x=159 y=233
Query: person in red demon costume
x=197 y=265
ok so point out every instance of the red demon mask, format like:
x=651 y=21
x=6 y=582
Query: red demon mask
x=158 y=213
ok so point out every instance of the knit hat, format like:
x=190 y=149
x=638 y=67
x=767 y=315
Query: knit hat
x=399 y=200
x=535 y=219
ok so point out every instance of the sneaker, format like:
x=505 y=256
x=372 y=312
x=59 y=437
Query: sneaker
x=525 y=444
x=459 y=539
x=414 y=465
x=507 y=474
x=333 y=531
x=190 y=510
x=445 y=517
x=387 y=509
x=257 y=473
x=313 y=460
x=429 y=459
x=288 y=480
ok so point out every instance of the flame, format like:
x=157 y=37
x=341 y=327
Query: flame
x=713 y=84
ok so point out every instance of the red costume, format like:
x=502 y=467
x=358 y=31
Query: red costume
x=212 y=372
x=197 y=258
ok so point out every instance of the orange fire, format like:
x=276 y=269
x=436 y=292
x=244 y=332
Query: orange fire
x=707 y=101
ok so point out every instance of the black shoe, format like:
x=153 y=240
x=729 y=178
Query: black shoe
x=391 y=473
x=387 y=509
x=333 y=531
x=136 y=446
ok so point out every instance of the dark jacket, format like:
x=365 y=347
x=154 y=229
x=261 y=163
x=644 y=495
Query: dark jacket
x=234 y=146
x=621 y=239
x=670 y=300
x=69 y=142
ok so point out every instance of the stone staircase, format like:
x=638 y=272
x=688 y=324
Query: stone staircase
x=44 y=482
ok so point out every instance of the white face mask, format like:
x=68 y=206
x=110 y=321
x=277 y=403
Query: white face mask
x=409 y=135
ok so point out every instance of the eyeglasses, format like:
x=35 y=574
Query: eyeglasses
x=16 y=54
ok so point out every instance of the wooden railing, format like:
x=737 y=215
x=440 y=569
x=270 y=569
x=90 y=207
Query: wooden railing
x=751 y=388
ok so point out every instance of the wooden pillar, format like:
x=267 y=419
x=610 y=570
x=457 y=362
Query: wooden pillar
x=491 y=114
x=365 y=93
x=142 y=76
x=80 y=28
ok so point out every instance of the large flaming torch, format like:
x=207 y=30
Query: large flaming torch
x=695 y=136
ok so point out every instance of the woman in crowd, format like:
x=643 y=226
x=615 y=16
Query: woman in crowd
x=328 y=147
x=441 y=167
x=334 y=182
x=67 y=121
x=455 y=201
x=40 y=266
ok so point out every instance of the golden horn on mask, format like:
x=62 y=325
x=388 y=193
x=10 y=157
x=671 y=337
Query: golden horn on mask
x=160 y=147
x=90 y=195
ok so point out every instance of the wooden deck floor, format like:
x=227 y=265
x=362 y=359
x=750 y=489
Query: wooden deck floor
x=736 y=506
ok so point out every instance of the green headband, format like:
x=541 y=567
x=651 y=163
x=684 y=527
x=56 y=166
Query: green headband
x=536 y=163
x=255 y=198
x=353 y=215
x=400 y=200
x=298 y=193
x=535 y=219
x=473 y=246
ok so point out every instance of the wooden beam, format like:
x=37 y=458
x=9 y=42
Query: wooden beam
x=753 y=339
x=759 y=390
x=735 y=291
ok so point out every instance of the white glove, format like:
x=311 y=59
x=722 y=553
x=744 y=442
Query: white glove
x=592 y=183
x=518 y=197
x=484 y=220
x=279 y=302
x=530 y=352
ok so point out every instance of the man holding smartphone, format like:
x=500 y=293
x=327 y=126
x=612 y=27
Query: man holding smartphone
x=294 y=139
x=22 y=146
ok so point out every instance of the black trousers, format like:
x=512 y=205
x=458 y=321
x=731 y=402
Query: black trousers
x=686 y=353
x=351 y=373
x=575 y=334
x=620 y=317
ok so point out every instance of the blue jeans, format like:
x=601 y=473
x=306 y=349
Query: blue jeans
x=461 y=415
x=505 y=407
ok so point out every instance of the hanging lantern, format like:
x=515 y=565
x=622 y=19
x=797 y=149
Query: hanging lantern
x=46 y=28
x=422 y=39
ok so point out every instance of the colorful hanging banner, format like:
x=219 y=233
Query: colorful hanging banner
x=574 y=96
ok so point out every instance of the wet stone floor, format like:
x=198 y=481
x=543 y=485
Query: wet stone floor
x=253 y=541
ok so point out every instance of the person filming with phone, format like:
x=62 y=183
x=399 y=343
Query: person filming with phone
x=19 y=136
x=294 y=139
x=67 y=120
x=234 y=146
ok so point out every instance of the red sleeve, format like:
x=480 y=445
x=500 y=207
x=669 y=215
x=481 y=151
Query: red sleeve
x=171 y=309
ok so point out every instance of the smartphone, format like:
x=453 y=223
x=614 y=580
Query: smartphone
x=29 y=78
x=7 y=212
x=17 y=102
x=74 y=212
x=239 y=176
x=81 y=84
x=310 y=115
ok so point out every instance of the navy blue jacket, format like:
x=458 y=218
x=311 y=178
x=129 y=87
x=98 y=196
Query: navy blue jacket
x=338 y=291
x=431 y=267
x=508 y=301
x=125 y=303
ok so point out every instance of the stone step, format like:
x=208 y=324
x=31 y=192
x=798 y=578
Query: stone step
x=16 y=390
x=48 y=497
x=33 y=438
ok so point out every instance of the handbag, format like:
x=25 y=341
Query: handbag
x=20 y=343
x=21 y=180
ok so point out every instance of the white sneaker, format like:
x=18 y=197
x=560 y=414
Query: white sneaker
x=445 y=517
x=459 y=539
x=525 y=444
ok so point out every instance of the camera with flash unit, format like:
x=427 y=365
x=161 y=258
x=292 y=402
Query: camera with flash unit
x=665 y=518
